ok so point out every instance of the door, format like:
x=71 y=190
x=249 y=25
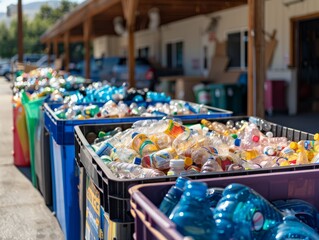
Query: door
x=308 y=64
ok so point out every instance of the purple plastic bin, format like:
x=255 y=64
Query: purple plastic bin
x=150 y=223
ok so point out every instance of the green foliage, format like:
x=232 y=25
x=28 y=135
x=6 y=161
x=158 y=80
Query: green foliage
x=32 y=30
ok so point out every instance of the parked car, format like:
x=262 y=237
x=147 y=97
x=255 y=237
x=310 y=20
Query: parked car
x=115 y=71
x=28 y=58
x=144 y=73
x=100 y=68
x=5 y=70
x=43 y=61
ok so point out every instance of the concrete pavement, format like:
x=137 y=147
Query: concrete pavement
x=23 y=213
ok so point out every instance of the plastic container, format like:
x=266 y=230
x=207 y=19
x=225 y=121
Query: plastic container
x=62 y=130
x=42 y=160
x=150 y=222
x=275 y=96
x=64 y=171
x=114 y=191
x=202 y=94
x=227 y=96
x=21 y=153
x=32 y=108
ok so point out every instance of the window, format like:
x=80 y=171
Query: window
x=143 y=52
x=174 y=55
x=237 y=45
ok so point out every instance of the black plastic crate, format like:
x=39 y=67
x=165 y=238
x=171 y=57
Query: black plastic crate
x=114 y=194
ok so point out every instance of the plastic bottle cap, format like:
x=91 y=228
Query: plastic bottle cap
x=316 y=137
x=102 y=134
x=134 y=134
x=137 y=161
x=293 y=145
x=255 y=138
x=179 y=163
x=234 y=136
x=188 y=161
x=237 y=142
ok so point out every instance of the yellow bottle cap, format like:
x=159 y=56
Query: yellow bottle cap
x=316 y=137
x=293 y=145
x=188 y=161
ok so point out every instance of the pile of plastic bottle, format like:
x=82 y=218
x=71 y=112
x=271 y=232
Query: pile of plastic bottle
x=59 y=87
x=42 y=78
x=236 y=212
x=166 y=147
x=121 y=109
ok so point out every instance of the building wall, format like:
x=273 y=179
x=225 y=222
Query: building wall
x=190 y=31
x=106 y=46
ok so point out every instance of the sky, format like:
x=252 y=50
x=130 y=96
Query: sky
x=5 y=3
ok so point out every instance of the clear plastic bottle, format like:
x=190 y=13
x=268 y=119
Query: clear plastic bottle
x=173 y=196
x=159 y=160
x=211 y=165
x=161 y=140
x=244 y=214
x=201 y=155
x=124 y=155
x=192 y=215
x=126 y=170
x=106 y=147
x=142 y=144
x=152 y=172
x=176 y=167
x=170 y=127
x=185 y=143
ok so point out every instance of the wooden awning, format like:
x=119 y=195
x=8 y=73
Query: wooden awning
x=102 y=13
x=94 y=18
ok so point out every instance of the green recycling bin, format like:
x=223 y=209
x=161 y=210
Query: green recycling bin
x=202 y=94
x=32 y=108
x=227 y=96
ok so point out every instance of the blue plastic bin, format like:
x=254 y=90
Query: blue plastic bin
x=64 y=171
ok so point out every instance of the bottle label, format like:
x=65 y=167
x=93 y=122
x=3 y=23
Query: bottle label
x=105 y=149
x=151 y=147
x=174 y=129
x=161 y=159
x=138 y=141
x=258 y=221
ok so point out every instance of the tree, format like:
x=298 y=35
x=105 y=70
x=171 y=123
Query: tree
x=33 y=29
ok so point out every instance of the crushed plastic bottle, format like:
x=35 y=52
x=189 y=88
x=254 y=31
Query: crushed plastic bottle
x=199 y=224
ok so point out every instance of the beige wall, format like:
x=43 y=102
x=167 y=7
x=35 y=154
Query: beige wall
x=107 y=45
x=190 y=31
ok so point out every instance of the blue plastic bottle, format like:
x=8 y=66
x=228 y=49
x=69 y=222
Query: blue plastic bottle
x=214 y=195
x=173 y=196
x=244 y=214
x=303 y=210
x=192 y=215
x=290 y=229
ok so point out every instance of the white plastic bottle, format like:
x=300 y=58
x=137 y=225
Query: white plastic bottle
x=176 y=167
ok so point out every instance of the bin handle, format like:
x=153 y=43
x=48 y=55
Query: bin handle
x=148 y=225
x=159 y=218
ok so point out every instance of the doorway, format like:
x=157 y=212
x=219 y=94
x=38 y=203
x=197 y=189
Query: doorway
x=306 y=54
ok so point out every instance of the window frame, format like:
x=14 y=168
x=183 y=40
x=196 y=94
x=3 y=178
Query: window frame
x=242 y=46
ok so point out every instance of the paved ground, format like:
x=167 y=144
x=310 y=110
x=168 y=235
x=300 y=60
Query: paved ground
x=23 y=213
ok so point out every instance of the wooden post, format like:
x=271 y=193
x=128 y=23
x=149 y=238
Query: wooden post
x=256 y=58
x=129 y=9
x=87 y=35
x=55 y=48
x=49 y=53
x=20 y=32
x=66 y=51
